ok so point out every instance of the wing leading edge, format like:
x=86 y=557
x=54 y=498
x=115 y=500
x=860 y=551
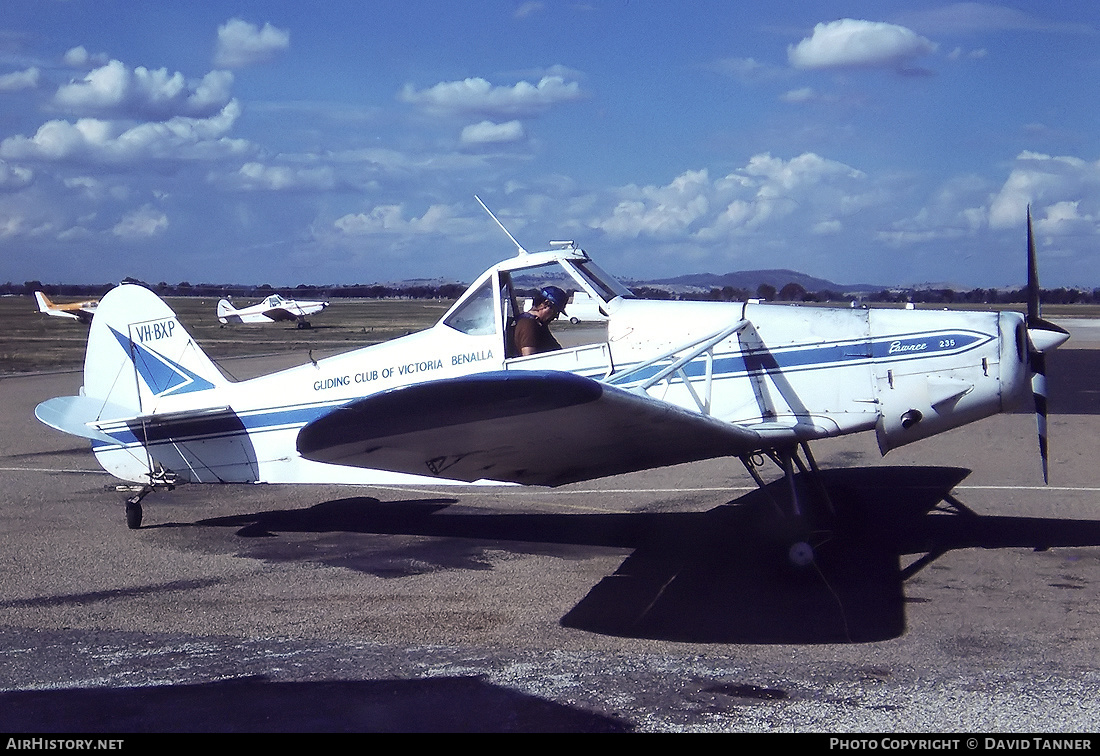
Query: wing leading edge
x=534 y=428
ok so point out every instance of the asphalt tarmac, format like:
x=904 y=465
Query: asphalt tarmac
x=654 y=602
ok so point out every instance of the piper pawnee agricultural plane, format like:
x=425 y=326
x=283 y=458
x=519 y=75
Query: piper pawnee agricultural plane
x=82 y=311
x=667 y=382
x=273 y=309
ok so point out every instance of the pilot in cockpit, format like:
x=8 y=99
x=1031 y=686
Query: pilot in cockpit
x=532 y=334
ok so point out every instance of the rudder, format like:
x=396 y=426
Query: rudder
x=141 y=358
x=227 y=313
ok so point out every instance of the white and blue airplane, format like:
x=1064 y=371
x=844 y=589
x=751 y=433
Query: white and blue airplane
x=666 y=382
x=272 y=309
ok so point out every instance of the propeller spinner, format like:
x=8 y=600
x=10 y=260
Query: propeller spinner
x=1042 y=336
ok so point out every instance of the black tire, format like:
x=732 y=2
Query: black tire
x=133 y=515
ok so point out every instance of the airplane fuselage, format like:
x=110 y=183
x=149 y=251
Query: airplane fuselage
x=795 y=372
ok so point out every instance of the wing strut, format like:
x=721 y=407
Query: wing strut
x=694 y=349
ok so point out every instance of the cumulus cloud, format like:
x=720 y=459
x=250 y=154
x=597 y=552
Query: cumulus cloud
x=1065 y=218
x=852 y=43
x=14 y=177
x=1062 y=191
x=390 y=219
x=1046 y=181
x=767 y=189
x=143 y=223
x=660 y=210
x=115 y=90
x=79 y=57
x=243 y=44
x=95 y=140
x=488 y=132
x=27 y=79
x=469 y=96
x=254 y=176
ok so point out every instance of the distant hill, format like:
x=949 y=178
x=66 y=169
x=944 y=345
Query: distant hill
x=750 y=280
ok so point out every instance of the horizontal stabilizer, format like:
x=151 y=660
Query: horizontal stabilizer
x=90 y=418
x=77 y=415
x=534 y=428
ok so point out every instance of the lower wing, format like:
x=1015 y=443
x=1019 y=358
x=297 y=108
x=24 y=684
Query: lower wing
x=534 y=428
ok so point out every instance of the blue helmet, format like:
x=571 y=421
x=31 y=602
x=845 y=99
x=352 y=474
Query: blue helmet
x=555 y=296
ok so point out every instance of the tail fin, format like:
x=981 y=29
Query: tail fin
x=153 y=403
x=142 y=359
x=227 y=313
x=44 y=304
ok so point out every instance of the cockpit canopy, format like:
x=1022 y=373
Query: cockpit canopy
x=495 y=299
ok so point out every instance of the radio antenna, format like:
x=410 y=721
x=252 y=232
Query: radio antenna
x=485 y=207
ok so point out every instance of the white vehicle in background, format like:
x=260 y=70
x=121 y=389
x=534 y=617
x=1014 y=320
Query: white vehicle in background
x=273 y=309
x=582 y=307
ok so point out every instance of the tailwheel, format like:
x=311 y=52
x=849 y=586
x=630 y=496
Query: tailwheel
x=159 y=478
x=133 y=506
x=133 y=513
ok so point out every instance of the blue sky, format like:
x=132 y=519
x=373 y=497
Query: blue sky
x=344 y=141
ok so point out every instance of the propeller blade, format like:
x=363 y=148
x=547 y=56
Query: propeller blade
x=1039 y=392
x=1032 y=274
x=1042 y=336
x=1036 y=360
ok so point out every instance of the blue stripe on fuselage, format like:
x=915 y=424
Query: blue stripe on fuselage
x=822 y=356
x=789 y=359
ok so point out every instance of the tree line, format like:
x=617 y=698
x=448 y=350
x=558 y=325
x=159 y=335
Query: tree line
x=791 y=292
x=794 y=292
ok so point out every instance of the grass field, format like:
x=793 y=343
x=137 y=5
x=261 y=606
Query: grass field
x=31 y=341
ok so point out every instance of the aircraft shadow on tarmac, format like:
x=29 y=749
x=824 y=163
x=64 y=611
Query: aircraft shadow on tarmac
x=723 y=576
x=256 y=704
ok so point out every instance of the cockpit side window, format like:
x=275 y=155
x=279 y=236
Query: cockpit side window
x=477 y=315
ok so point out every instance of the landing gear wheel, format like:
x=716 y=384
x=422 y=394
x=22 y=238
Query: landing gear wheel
x=133 y=513
x=801 y=554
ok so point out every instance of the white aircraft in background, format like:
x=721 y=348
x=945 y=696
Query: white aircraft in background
x=668 y=382
x=82 y=311
x=582 y=307
x=274 y=308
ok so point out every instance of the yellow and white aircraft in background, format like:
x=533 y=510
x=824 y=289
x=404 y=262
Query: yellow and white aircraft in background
x=82 y=311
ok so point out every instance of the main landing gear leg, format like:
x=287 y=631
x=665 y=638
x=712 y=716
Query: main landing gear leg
x=802 y=511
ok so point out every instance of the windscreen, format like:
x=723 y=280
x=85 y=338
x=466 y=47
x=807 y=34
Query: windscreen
x=604 y=285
